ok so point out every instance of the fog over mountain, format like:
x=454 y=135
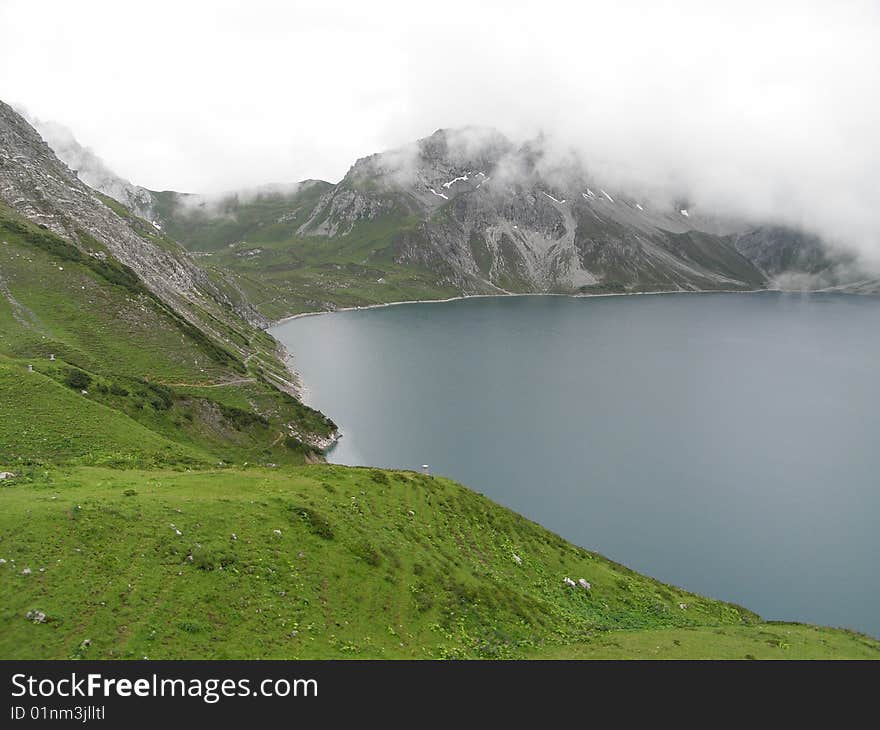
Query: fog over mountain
x=767 y=112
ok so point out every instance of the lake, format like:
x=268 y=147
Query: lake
x=725 y=443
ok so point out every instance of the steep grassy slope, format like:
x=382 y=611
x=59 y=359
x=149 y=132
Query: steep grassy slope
x=365 y=563
x=156 y=388
x=255 y=242
x=212 y=223
x=282 y=278
x=43 y=420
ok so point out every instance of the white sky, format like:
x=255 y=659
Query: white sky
x=764 y=108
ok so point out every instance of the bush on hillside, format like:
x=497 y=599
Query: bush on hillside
x=77 y=379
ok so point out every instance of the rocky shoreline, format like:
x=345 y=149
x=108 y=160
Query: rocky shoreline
x=292 y=317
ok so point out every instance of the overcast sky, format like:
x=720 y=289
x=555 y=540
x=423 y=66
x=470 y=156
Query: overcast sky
x=755 y=107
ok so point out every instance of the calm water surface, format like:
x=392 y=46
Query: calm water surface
x=726 y=443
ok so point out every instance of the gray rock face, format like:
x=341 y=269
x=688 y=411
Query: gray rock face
x=38 y=185
x=776 y=250
x=91 y=169
x=337 y=215
x=796 y=260
x=494 y=217
x=35 y=183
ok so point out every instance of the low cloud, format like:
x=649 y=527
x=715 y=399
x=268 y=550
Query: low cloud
x=767 y=111
x=221 y=204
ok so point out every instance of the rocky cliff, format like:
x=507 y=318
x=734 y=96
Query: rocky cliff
x=91 y=169
x=495 y=216
x=38 y=185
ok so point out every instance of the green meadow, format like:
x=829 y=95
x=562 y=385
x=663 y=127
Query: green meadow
x=333 y=562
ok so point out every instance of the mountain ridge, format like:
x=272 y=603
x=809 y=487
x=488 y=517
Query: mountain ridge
x=467 y=211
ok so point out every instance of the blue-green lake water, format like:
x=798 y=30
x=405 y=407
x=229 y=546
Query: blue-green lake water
x=726 y=443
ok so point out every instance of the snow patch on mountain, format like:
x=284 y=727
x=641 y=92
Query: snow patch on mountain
x=463 y=178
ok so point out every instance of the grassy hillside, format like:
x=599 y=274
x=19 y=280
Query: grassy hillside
x=254 y=241
x=120 y=377
x=291 y=277
x=365 y=563
x=208 y=225
x=42 y=420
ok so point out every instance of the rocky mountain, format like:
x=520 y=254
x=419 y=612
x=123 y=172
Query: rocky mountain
x=466 y=211
x=91 y=169
x=796 y=260
x=38 y=185
x=492 y=216
x=206 y=222
x=478 y=214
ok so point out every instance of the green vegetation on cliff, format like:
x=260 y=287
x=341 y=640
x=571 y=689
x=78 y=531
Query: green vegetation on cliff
x=97 y=369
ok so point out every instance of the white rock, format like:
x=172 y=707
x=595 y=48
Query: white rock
x=26 y=571
x=38 y=617
x=277 y=532
x=447 y=185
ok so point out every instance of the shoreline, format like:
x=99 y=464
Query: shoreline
x=283 y=320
